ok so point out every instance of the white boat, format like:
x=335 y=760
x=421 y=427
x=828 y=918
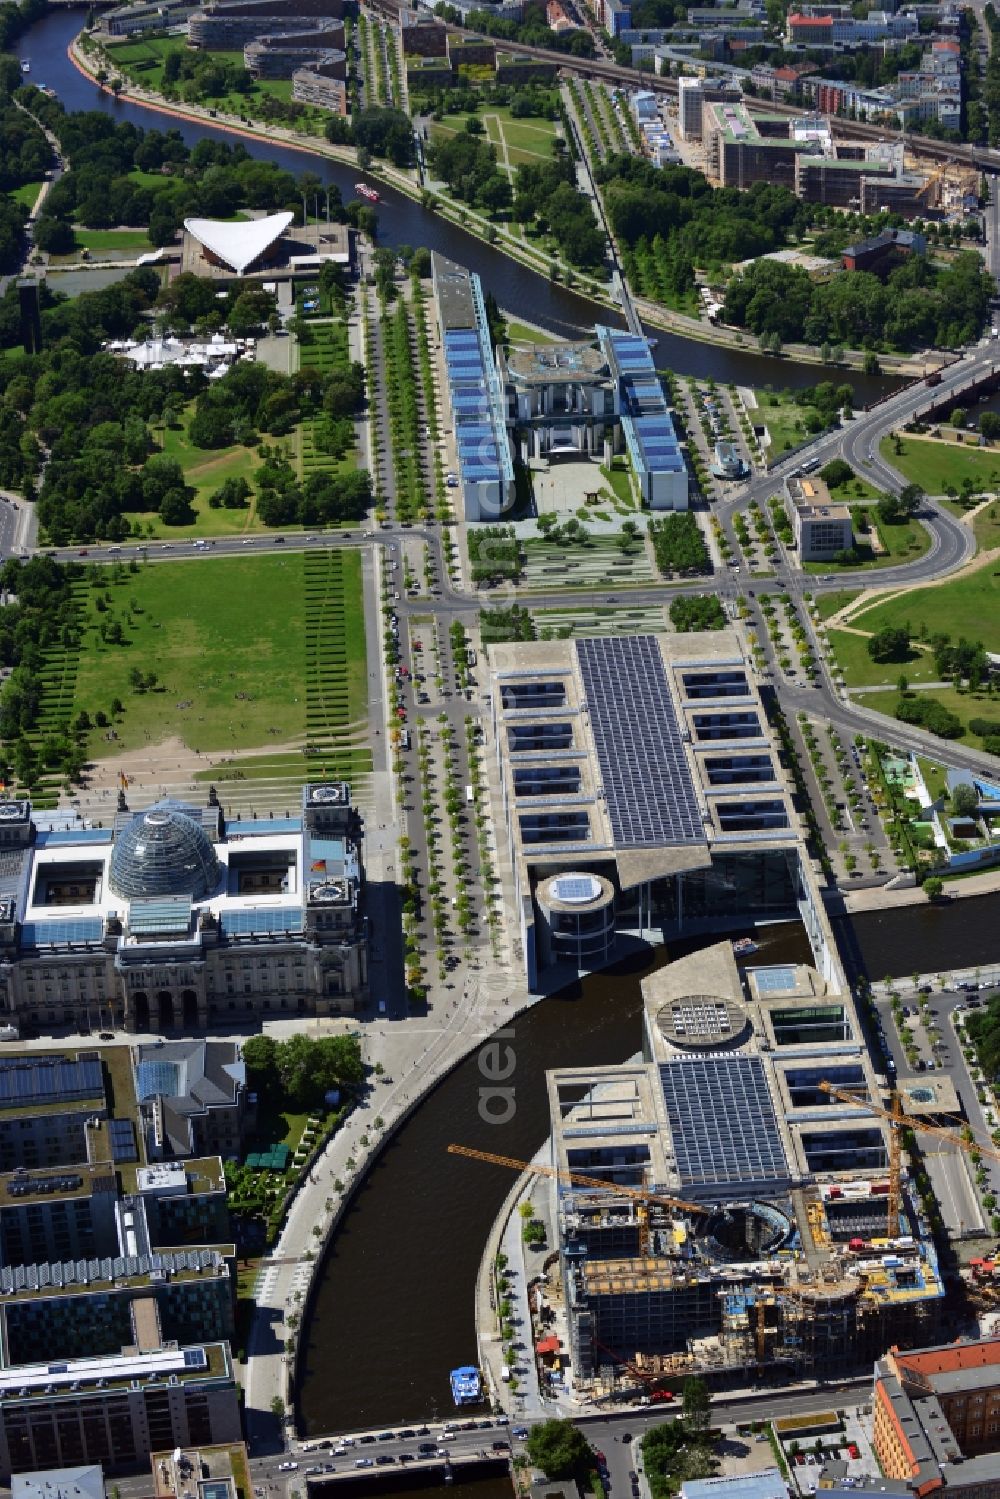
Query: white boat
x=26 y=67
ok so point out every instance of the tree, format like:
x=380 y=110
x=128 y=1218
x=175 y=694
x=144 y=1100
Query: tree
x=559 y=1449
x=989 y=425
x=260 y=1056
x=836 y=472
x=933 y=887
x=890 y=644
x=964 y=799
x=696 y=1404
x=957 y=417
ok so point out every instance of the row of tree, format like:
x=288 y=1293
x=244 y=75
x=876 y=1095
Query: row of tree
x=919 y=304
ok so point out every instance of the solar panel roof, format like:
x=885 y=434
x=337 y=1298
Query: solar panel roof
x=122 y=1134
x=647 y=784
x=722 y=1120
x=30 y=1080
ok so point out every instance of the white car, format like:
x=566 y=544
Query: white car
x=288 y=1467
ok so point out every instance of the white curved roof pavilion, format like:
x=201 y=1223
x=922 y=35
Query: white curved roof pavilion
x=239 y=245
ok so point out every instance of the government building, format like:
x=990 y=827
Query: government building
x=174 y=918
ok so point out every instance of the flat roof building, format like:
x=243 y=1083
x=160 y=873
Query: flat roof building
x=59 y=1483
x=774 y=1248
x=822 y=529
x=641 y=790
x=475 y=398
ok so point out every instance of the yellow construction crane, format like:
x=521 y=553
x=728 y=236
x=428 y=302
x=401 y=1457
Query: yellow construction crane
x=896 y=1119
x=639 y=1195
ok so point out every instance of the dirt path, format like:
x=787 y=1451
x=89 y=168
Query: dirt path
x=157 y=768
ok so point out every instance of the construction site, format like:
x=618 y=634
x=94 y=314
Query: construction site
x=741 y=1196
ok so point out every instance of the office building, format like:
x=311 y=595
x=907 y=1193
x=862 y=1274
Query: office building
x=822 y=529
x=192 y=1098
x=475 y=399
x=228 y=25
x=937 y=1418
x=59 y=1483
x=890 y=245
x=641 y=793
x=778 y=1249
x=174 y=917
x=208 y=1472
x=692 y=95
x=132 y=20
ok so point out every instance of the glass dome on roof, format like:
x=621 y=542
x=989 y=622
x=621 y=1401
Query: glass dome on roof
x=164 y=851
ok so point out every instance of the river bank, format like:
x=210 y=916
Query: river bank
x=914 y=366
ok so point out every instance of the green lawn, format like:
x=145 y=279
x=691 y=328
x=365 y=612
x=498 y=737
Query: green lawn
x=831 y=603
x=526 y=140
x=228 y=675
x=904 y=543
x=969 y=606
x=785 y=421
x=96 y=240
x=934 y=777
x=933 y=465
x=27 y=194
x=851 y=654
x=854 y=491
x=520 y=333
x=965 y=705
x=206 y=469
x=986 y=528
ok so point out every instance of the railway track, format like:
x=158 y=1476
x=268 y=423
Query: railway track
x=599 y=70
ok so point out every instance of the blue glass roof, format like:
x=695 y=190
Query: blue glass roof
x=260 y=919
x=59 y=932
x=264 y=825
x=156 y=1078
x=56 y=836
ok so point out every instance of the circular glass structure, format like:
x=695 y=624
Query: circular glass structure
x=164 y=851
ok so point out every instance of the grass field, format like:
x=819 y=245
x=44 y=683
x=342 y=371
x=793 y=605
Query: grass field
x=986 y=528
x=785 y=420
x=229 y=676
x=206 y=469
x=517 y=141
x=968 y=607
x=933 y=465
x=854 y=491
x=27 y=194
x=520 y=333
x=102 y=240
x=830 y=603
x=965 y=705
x=851 y=654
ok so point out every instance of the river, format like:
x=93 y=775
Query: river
x=403 y=222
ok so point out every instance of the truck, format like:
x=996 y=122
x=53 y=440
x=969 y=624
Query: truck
x=934 y=378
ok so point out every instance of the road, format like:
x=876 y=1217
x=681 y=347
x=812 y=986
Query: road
x=857 y=441
x=945 y=1166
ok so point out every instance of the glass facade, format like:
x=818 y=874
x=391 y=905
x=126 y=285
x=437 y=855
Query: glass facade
x=164 y=851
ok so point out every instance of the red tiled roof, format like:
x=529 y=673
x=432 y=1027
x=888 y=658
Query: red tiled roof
x=952 y=1357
